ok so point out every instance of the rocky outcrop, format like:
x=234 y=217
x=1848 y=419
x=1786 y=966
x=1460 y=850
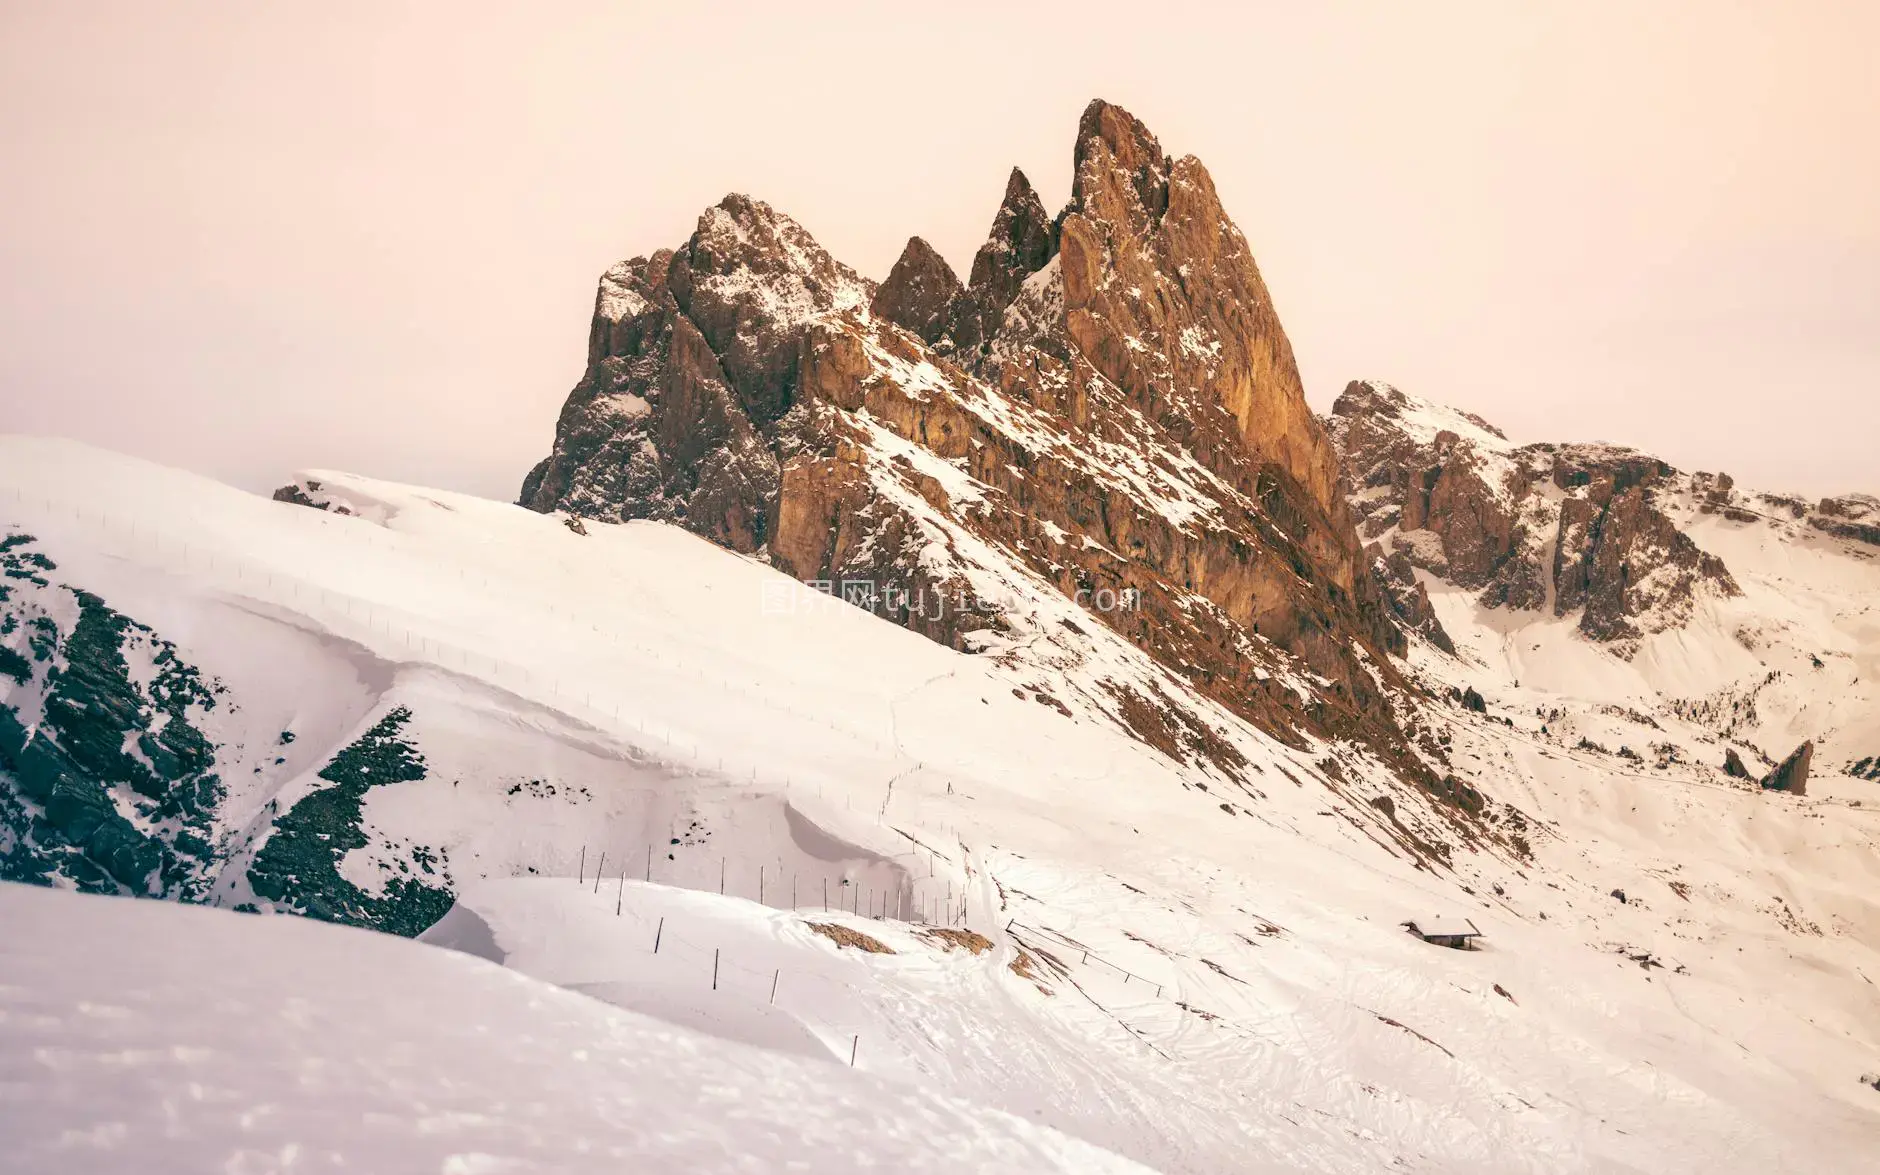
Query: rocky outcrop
x=1855 y=518
x=299 y=868
x=1791 y=775
x=107 y=783
x=1733 y=764
x=1109 y=410
x=1407 y=598
x=1557 y=528
x=311 y=494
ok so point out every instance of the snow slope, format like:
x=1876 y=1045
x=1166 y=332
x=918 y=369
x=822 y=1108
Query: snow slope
x=154 y=1037
x=1199 y=976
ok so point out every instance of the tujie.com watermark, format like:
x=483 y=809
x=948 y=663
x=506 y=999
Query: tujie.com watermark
x=787 y=598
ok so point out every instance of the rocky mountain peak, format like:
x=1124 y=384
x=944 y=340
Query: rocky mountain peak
x=750 y=279
x=1162 y=300
x=1108 y=410
x=1120 y=168
x=922 y=295
x=1021 y=241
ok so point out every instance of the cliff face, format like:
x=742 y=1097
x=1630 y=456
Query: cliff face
x=1558 y=528
x=1107 y=411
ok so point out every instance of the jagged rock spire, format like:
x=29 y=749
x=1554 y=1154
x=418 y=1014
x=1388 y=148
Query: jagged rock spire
x=1162 y=296
x=922 y=295
x=1116 y=153
x=1021 y=241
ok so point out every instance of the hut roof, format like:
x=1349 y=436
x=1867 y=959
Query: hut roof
x=1444 y=926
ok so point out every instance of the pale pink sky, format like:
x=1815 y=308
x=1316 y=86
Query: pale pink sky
x=247 y=238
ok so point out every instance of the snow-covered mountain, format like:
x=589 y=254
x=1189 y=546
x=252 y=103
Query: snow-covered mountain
x=583 y=739
x=1006 y=689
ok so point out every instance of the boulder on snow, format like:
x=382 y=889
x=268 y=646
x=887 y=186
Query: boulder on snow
x=1733 y=765
x=1474 y=701
x=1791 y=775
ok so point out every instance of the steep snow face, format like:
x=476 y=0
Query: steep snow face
x=146 y=1037
x=1197 y=969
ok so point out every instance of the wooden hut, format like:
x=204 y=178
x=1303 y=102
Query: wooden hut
x=1456 y=933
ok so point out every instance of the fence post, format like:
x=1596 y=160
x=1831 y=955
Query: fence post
x=721 y=875
x=622 y=896
x=581 y=870
x=854 y=1044
x=598 y=870
x=649 y=860
x=657 y=934
x=775 y=976
x=714 y=968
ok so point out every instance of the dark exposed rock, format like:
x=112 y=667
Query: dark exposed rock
x=1860 y=532
x=298 y=867
x=1855 y=518
x=108 y=745
x=309 y=493
x=1791 y=775
x=1474 y=701
x=1733 y=764
x=1795 y=507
